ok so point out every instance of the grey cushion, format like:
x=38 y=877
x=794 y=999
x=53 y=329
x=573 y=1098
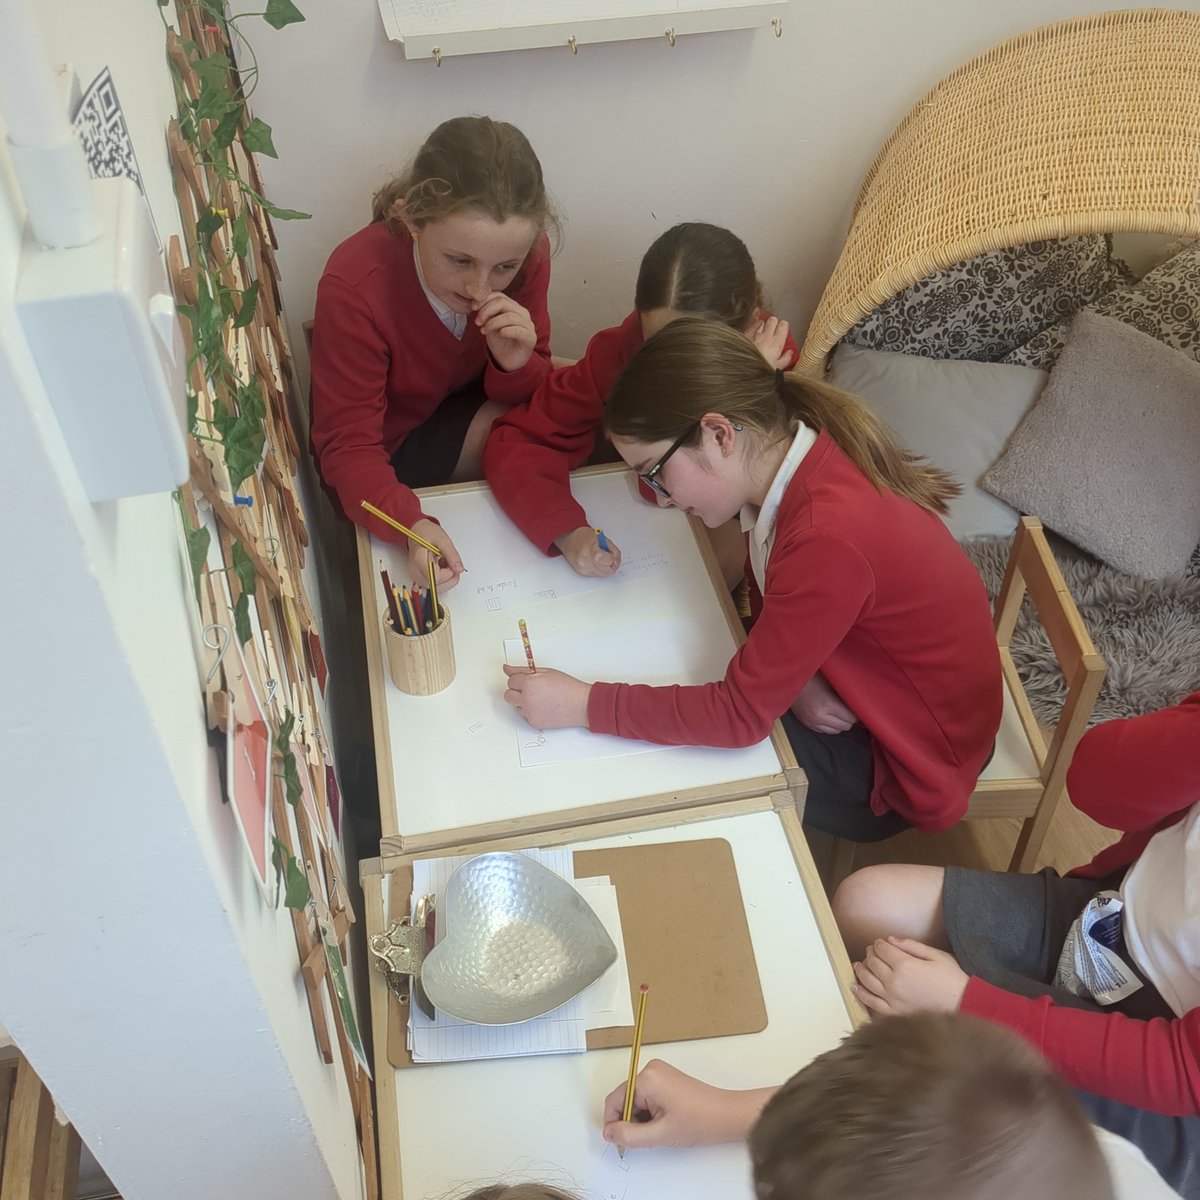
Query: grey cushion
x=982 y=308
x=959 y=415
x=1165 y=303
x=1110 y=455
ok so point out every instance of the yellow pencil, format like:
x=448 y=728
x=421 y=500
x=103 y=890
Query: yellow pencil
x=404 y=529
x=634 y=1053
x=433 y=596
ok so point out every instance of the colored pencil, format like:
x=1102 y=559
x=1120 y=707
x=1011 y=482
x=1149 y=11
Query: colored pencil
x=528 y=647
x=400 y=622
x=393 y=612
x=407 y=608
x=417 y=611
x=437 y=613
x=634 y=1053
x=404 y=529
x=602 y=540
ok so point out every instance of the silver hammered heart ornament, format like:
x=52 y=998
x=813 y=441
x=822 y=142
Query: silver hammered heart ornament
x=517 y=941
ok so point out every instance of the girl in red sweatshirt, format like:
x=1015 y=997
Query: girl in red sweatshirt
x=1123 y=1026
x=693 y=268
x=429 y=323
x=860 y=579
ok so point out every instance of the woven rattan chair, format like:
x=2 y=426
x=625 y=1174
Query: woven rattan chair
x=1087 y=126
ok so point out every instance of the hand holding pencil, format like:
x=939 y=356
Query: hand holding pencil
x=427 y=542
x=590 y=552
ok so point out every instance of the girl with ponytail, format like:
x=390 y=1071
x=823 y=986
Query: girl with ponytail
x=875 y=639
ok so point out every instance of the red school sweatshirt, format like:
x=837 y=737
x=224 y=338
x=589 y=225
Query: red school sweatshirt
x=1138 y=775
x=533 y=447
x=382 y=361
x=871 y=590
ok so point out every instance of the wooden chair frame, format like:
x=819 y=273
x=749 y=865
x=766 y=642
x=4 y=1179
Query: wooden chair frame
x=1033 y=571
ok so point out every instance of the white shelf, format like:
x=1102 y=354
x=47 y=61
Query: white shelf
x=442 y=28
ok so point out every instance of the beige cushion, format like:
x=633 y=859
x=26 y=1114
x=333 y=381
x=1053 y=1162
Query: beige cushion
x=1110 y=455
x=959 y=415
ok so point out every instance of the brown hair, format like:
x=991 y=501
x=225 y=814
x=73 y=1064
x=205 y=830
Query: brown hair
x=692 y=367
x=703 y=270
x=468 y=163
x=928 y=1107
x=520 y=1191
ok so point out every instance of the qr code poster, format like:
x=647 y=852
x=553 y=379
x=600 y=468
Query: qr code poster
x=103 y=133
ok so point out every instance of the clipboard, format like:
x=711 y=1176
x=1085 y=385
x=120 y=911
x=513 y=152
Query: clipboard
x=685 y=932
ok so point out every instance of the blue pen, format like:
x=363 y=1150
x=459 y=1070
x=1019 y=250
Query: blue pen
x=602 y=540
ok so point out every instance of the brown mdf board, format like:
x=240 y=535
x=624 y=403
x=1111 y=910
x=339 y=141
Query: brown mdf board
x=685 y=933
x=610 y=787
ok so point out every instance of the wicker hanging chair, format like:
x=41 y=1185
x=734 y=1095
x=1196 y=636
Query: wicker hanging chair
x=1087 y=126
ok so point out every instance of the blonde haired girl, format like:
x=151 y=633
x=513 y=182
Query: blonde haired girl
x=429 y=323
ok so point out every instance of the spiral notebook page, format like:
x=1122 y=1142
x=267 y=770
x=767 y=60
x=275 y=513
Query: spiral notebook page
x=447 y=1039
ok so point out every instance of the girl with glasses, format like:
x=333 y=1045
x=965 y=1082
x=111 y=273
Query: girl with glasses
x=692 y=269
x=865 y=592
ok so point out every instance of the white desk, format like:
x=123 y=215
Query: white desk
x=444 y=1127
x=448 y=765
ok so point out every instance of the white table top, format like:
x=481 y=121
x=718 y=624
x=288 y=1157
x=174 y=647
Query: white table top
x=467 y=1124
x=454 y=757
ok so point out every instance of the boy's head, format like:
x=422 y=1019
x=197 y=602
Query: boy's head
x=926 y=1108
x=520 y=1191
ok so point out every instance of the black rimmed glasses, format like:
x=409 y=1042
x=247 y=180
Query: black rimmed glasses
x=650 y=477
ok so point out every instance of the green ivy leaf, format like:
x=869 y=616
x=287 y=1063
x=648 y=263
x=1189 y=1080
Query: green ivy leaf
x=286 y=214
x=257 y=137
x=241 y=619
x=243 y=443
x=213 y=69
x=215 y=100
x=296 y=893
x=250 y=399
x=249 y=302
x=227 y=128
x=291 y=778
x=284 y=736
x=197 y=549
x=243 y=566
x=281 y=12
x=241 y=233
x=208 y=224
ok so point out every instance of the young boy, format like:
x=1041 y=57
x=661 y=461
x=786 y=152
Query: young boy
x=908 y=1108
x=1097 y=970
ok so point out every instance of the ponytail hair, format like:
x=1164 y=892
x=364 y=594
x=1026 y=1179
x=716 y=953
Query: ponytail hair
x=692 y=367
x=468 y=163
x=703 y=271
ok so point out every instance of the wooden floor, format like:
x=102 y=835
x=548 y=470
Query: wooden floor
x=1072 y=840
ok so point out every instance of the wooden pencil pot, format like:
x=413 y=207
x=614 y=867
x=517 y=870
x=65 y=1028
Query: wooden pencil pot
x=420 y=665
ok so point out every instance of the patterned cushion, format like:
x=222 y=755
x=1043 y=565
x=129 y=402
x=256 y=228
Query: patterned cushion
x=985 y=307
x=1164 y=304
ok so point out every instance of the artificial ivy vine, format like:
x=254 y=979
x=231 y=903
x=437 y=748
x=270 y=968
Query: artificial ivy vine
x=209 y=123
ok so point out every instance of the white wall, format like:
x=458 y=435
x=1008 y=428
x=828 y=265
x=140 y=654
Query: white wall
x=769 y=137
x=142 y=976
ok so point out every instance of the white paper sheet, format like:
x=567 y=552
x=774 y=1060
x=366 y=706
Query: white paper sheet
x=607 y=1002
x=659 y=653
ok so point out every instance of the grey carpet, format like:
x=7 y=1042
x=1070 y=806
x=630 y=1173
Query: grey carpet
x=1147 y=630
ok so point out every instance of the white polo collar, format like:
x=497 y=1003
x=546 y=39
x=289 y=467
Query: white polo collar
x=759 y=521
x=455 y=322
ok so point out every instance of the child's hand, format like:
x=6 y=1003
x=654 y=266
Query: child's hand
x=450 y=565
x=900 y=976
x=678 y=1110
x=547 y=699
x=581 y=549
x=769 y=335
x=509 y=331
x=821 y=709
